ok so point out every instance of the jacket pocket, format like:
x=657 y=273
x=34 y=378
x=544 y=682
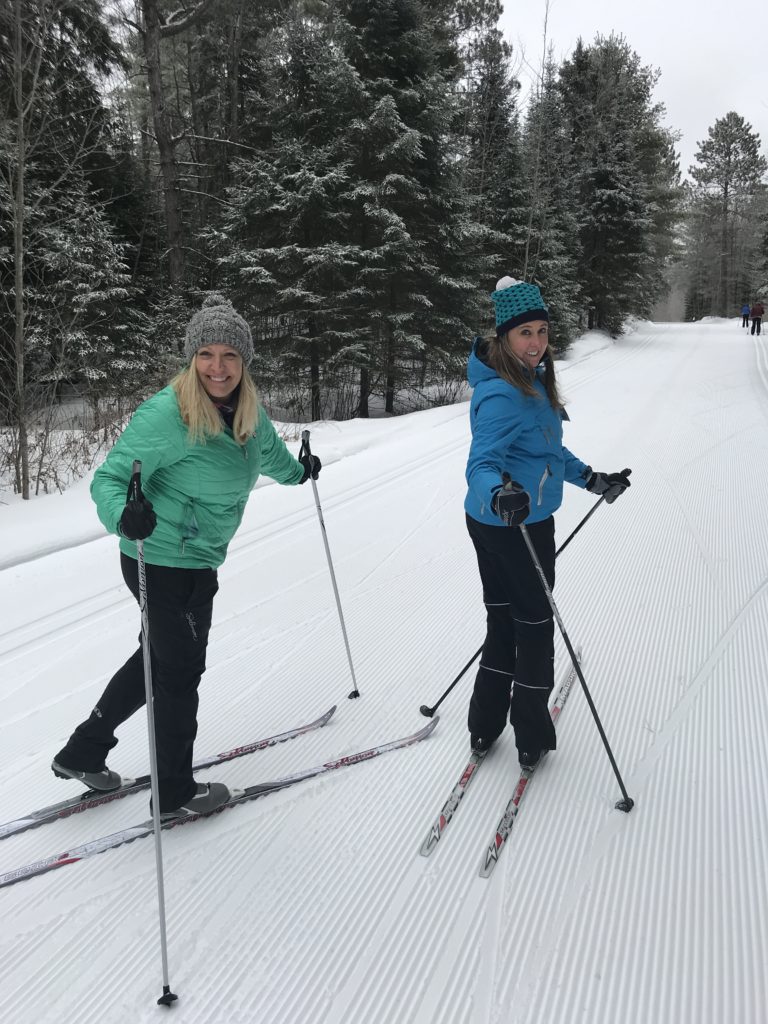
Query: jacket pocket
x=189 y=525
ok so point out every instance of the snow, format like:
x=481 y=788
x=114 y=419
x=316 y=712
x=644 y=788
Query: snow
x=313 y=905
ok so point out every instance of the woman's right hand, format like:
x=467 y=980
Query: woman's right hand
x=138 y=519
x=511 y=503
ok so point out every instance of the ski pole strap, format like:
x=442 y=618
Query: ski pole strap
x=305 y=449
x=509 y=484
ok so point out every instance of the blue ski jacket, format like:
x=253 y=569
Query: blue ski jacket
x=518 y=434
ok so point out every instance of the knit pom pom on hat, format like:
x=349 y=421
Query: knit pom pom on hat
x=218 y=323
x=515 y=303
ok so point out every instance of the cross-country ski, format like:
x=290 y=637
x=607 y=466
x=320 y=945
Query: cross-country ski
x=238 y=797
x=451 y=805
x=504 y=827
x=93 y=798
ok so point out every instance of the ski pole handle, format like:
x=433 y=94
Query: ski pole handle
x=509 y=486
x=134 y=488
x=306 y=450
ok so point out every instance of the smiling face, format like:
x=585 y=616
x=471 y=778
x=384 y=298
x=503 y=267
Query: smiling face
x=528 y=342
x=220 y=370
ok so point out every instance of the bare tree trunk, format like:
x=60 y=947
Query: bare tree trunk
x=721 y=308
x=365 y=388
x=195 y=146
x=534 y=203
x=22 y=463
x=389 y=382
x=314 y=376
x=233 y=72
x=165 y=144
x=153 y=31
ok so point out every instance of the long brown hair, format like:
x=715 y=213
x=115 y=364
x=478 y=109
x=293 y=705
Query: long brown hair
x=201 y=415
x=516 y=373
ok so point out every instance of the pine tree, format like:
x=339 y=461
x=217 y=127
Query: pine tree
x=552 y=253
x=625 y=182
x=408 y=211
x=53 y=134
x=284 y=238
x=728 y=198
x=491 y=163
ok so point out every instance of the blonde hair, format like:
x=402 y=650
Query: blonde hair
x=516 y=373
x=201 y=415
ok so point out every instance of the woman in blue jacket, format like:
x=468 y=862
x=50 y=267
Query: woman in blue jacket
x=516 y=418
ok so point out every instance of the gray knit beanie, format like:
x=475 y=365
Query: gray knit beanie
x=217 y=323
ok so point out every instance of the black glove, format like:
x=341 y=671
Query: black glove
x=138 y=520
x=511 y=504
x=609 y=485
x=312 y=466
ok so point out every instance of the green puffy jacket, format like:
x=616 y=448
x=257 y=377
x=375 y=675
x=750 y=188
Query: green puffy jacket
x=199 y=491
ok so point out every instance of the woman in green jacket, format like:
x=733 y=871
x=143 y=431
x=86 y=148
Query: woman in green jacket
x=203 y=441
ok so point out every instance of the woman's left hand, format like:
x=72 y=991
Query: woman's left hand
x=312 y=466
x=609 y=485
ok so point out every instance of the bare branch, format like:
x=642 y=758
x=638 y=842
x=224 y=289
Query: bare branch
x=208 y=195
x=172 y=27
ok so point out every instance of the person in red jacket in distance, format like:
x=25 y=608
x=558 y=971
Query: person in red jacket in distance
x=756 y=313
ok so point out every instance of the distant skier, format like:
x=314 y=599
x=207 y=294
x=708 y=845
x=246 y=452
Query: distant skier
x=203 y=441
x=756 y=314
x=516 y=417
x=745 y=315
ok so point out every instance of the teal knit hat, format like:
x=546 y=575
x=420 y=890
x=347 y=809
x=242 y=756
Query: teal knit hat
x=517 y=302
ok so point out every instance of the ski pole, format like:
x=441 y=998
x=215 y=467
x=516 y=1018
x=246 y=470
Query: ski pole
x=305 y=449
x=626 y=803
x=168 y=997
x=594 y=508
x=428 y=711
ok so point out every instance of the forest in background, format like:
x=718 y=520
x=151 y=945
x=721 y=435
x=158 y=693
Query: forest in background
x=355 y=175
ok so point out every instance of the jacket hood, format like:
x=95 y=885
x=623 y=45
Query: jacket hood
x=477 y=368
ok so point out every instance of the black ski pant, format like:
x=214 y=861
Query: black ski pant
x=756 y=322
x=179 y=607
x=516 y=673
x=745 y=319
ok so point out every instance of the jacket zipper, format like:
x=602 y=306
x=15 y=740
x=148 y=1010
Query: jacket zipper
x=544 y=477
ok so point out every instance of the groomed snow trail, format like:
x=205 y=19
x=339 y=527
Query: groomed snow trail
x=313 y=906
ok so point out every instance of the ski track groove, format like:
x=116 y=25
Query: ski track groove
x=246 y=540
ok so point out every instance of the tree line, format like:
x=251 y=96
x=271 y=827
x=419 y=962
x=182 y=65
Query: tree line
x=355 y=174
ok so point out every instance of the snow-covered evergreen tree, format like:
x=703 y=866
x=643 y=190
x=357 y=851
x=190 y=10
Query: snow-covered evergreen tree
x=284 y=240
x=552 y=251
x=728 y=208
x=409 y=220
x=489 y=153
x=624 y=179
x=61 y=268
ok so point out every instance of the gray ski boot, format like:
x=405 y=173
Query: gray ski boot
x=104 y=780
x=209 y=797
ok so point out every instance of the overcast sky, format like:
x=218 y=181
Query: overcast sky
x=713 y=56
